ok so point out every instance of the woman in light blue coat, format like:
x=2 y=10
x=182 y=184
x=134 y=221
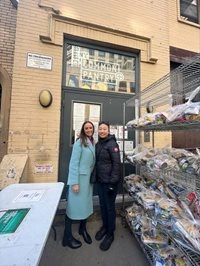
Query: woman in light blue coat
x=79 y=200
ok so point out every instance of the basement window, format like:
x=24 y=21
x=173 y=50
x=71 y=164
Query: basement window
x=190 y=10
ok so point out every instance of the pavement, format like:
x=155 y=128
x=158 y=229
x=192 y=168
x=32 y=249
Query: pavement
x=124 y=251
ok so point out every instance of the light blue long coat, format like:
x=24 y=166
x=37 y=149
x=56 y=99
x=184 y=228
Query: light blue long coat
x=80 y=205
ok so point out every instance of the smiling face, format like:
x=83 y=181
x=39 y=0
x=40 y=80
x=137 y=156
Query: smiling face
x=103 y=131
x=88 y=129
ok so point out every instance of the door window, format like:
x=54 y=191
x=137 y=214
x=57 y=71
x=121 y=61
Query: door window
x=84 y=112
x=95 y=69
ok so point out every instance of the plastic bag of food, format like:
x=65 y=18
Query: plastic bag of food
x=178 y=112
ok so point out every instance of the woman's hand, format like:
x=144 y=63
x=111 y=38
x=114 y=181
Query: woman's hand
x=75 y=188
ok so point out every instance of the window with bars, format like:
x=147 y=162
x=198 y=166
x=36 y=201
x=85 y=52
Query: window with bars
x=190 y=10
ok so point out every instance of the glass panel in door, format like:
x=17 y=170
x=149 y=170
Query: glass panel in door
x=84 y=112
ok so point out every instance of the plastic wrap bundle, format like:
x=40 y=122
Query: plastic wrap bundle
x=177 y=113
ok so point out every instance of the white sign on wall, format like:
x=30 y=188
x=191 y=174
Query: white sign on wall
x=43 y=168
x=39 y=61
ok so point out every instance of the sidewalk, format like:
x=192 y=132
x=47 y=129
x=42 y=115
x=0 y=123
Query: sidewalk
x=125 y=251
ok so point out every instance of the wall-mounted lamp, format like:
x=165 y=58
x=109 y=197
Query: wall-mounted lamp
x=45 y=98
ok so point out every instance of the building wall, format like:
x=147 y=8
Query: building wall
x=130 y=18
x=182 y=33
x=8 y=17
x=141 y=25
x=34 y=130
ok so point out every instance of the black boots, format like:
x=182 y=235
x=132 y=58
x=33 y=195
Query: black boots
x=108 y=238
x=100 y=234
x=86 y=236
x=71 y=242
x=83 y=231
x=106 y=243
x=68 y=239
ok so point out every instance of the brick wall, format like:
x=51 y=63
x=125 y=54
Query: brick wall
x=8 y=15
x=142 y=25
x=182 y=33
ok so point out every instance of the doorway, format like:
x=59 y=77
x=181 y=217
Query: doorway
x=79 y=105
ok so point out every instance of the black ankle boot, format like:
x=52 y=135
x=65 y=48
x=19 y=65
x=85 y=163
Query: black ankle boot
x=106 y=243
x=71 y=242
x=83 y=231
x=68 y=239
x=87 y=238
x=100 y=234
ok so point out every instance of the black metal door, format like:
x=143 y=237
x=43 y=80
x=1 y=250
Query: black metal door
x=111 y=109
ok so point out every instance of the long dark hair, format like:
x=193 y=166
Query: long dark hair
x=83 y=136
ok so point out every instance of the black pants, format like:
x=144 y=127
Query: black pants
x=107 y=204
x=68 y=227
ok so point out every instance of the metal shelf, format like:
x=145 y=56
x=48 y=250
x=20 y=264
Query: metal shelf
x=172 y=89
x=170 y=126
x=192 y=257
x=186 y=179
x=147 y=251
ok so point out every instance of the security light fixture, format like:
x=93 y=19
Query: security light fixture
x=45 y=98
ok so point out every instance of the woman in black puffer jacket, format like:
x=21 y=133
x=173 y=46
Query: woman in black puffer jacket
x=108 y=175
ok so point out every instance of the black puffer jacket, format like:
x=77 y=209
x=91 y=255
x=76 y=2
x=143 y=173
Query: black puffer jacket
x=108 y=165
